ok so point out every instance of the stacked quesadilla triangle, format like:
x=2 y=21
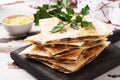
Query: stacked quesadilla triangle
x=68 y=51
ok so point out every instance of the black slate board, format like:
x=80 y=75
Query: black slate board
x=107 y=60
x=115 y=37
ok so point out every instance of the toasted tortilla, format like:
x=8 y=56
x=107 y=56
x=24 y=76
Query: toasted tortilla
x=34 y=50
x=36 y=39
x=89 y=55
x=70 y=57
x=76 y=41
x=59 y=52
x=71 y=34
x=60 y=48
x=38 y=52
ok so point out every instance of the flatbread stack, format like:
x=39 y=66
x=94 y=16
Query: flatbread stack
x=68 y=51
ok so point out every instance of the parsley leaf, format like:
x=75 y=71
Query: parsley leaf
x=54 y=12
x=60 y=27
x=85 y=11
x=64 y=16
x=70 y=11
x=78 y=19
x=46 y=6
x=74 y=25
x=60 y=4
x=41 y=14
x=86 y=24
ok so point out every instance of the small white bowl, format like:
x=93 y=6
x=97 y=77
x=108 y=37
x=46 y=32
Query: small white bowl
x=17 y=30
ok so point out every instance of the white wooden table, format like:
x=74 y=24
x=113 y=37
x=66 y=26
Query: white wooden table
x=9 y=70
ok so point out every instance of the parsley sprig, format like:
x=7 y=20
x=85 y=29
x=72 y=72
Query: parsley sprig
x=60 y=27
x=48 y=11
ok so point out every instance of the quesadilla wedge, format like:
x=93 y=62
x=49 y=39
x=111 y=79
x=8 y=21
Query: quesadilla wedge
x=36 y=39
x=70 y=34
x=37 y=52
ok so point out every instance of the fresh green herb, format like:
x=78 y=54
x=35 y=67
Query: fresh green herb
x=78 y=19
x=85 y=11
x=46 y=6
x=74 y=25
x=86 y=24
x=41 y=14
x=60 y=27
x=60 y=4
x=70 y=11
x=64 y=16
x=47 y=11
x=53 y=11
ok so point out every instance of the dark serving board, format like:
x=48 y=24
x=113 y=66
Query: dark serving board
x=115 y=37
x=107 y=60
